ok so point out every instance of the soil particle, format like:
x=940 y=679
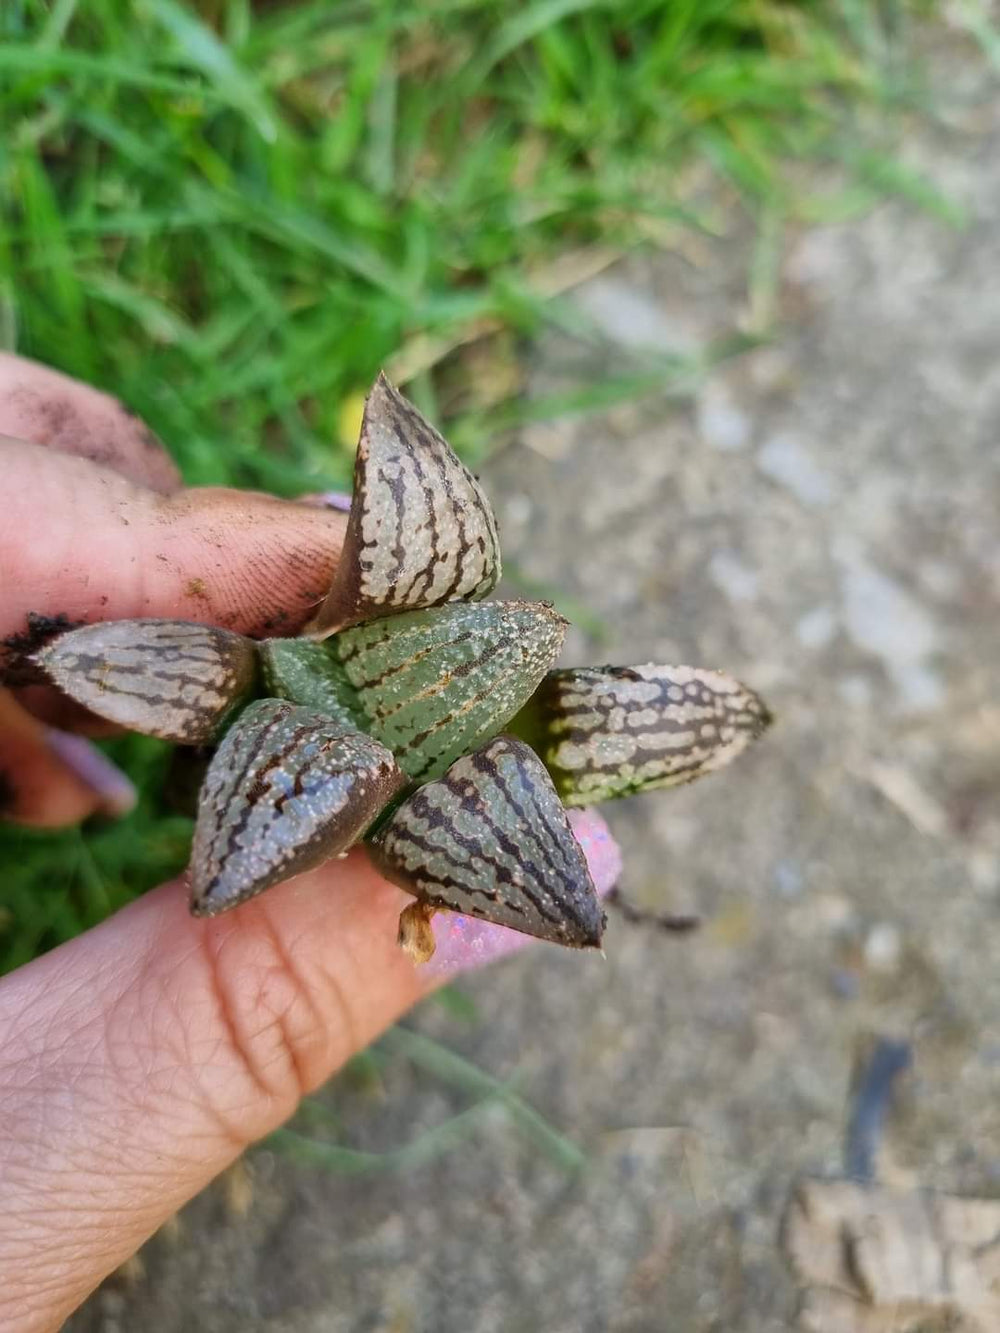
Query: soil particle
x=8 y=795
x=16 y=650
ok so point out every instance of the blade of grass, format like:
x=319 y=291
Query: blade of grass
x=85 y=65
x=206 y=53
x=433 y=1143
x=460 y=1073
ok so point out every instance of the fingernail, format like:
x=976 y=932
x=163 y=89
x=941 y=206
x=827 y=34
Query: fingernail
x=464 y=944
x=339 y=500
x=94 y=769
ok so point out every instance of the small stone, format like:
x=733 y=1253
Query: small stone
x=112 y=1302
x=835 y=912
x=788 y=878
x=816 y=628
x=883 y=948
x=940 y=579
x=845 y=984
x=785 y=460
x=628 y=316
x=733 y=577
x=885 y=619
x=720 y=423
x=984 y=870
x=856 y=691
x=517 y=511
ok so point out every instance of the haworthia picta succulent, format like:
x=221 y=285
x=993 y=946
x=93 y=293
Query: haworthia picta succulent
x=169 y=678
x=433 y=684
x=611 y=731
x=491 y=839
x=287 y=789
x=421 y=531
x=409 y=665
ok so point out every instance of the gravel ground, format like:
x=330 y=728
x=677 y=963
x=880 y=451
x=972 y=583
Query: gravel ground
x=819 y=518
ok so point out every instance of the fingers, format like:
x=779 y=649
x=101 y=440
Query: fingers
x=97 y=527
x=138 y=1061
x=40 y=405
x=113 y=550
x=49 y=778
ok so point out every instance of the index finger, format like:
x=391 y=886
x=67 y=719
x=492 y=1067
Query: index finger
x=82 y=542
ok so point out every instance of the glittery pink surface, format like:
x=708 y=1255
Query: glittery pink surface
x=464 y=943
x=329 y=499
x=93 y=767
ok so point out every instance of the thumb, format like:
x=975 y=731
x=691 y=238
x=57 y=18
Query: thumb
x=137 y=1062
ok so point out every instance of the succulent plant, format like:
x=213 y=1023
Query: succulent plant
x=384 y=720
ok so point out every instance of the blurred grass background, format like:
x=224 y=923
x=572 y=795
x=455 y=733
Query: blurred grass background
x=231 y=214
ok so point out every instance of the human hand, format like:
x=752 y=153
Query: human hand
x=139 y=1060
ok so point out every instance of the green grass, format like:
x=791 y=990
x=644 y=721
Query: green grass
x=232 y=214
x=489 y=1099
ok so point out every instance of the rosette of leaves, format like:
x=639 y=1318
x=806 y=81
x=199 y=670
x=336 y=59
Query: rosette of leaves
x=384 y=720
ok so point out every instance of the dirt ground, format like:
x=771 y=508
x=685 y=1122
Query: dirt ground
x=820 y=517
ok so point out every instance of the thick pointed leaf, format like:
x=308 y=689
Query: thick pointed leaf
x=168 y=678
x=610 y=731
x=308 y=673
x=435 y=684
x=421 y=530
x=491 y=839
x=286 y=790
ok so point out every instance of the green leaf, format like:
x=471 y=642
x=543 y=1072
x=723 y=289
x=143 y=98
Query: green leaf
x=435 y=684
x=307 y=673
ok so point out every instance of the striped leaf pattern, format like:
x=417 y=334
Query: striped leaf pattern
x=421 y=531
x=286 y=790
x=610 y=731
x=491 y=839
x=434 y=684
x=169 y=678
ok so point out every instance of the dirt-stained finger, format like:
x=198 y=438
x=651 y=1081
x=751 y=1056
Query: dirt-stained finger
x=113 y=551
x=42 y=406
